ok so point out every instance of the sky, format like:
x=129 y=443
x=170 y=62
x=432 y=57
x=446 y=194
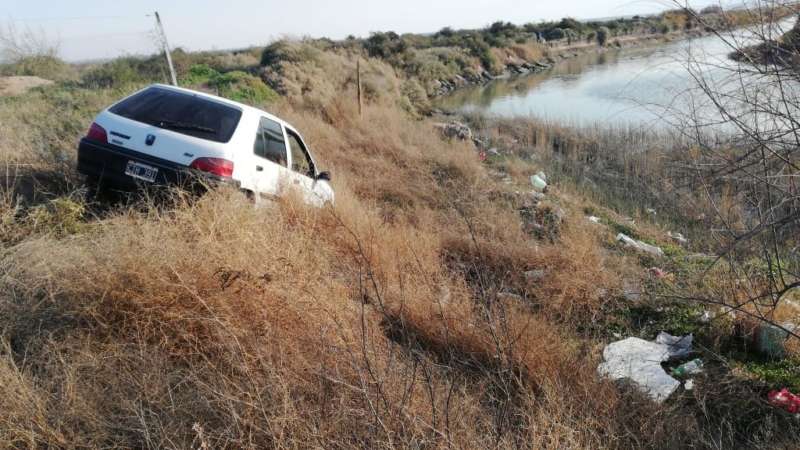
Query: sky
x=93 y=29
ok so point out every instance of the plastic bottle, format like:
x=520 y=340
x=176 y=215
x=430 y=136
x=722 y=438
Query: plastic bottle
x=690 y=368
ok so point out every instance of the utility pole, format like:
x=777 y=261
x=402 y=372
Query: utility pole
x=165 y=44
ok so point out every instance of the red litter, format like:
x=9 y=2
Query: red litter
x=785 y=400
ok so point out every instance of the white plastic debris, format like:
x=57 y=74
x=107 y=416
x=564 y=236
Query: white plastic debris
x=594 y=219
x=542 y=176
x=539 y=184
x=689 y=385
x=678 y=237
x=640 y=361
x=651 y=211
x=639 y=245
x=678 y=347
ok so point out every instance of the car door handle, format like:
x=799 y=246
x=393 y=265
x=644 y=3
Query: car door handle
x=259 y=169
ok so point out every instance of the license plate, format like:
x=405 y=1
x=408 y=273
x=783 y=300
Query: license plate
x=141 y=171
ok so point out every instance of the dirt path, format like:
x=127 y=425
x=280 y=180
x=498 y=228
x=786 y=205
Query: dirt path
x=20 y=84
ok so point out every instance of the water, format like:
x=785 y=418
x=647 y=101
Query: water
x=647 y=87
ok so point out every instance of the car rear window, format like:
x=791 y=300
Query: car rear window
x=183 y=113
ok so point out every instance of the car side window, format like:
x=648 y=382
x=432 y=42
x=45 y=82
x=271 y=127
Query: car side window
x=270 y=143
x=301 y=161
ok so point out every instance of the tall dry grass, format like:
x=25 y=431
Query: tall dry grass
x=401 y=318
x=282 y=327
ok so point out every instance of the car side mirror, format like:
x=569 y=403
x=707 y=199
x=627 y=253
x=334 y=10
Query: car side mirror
x=324 y=176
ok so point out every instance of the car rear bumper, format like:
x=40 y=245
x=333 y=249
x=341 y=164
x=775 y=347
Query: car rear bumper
x=107 y=162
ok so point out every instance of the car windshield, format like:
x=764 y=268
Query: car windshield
x=183 y=113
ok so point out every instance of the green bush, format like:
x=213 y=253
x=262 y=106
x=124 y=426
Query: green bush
x=243 y=87
x=384 y=45
x=199 y=74
x=44 y=66
x=236 y=85
x=602 y=36
x=555 y=34
x=126 y=71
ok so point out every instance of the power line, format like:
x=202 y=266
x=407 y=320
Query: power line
x=93 y=36
x=52 y=19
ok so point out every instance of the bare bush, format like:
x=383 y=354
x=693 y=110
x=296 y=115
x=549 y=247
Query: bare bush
x=744 y=125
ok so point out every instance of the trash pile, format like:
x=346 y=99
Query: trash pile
x=455 y=130
x=639 y=245
x=640 y=361
x=785 y=400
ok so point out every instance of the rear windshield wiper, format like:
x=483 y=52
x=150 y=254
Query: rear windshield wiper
x=175 y=125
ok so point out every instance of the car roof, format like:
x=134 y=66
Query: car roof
x=245 y=108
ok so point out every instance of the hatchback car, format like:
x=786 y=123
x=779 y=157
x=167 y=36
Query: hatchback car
x=168 y=135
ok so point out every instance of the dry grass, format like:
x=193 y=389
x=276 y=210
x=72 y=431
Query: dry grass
x=380 y=323
x=280 y=327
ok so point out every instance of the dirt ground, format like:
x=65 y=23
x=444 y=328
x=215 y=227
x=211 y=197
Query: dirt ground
x=20 y=84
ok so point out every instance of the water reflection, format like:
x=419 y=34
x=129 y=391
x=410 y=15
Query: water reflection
x=639 y=87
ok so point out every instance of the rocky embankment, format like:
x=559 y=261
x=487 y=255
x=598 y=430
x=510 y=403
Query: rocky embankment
x=515 y=66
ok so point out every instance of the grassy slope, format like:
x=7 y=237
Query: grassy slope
x=374 y=324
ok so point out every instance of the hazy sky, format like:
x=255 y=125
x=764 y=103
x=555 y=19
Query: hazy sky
x=99 y=28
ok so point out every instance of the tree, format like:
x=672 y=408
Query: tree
x=384 y=45
x=602 y=36
x=555 y=34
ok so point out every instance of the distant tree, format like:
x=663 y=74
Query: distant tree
x=446 y=32
x=569 y=23
x=501 y=27
x=602 y=36
x=384 y=45
x=555 y=34
x=532 y=27
x=713 y=9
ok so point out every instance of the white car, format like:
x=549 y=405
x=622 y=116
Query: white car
x=168 y=135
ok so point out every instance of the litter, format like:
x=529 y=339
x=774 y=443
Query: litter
x=689 y=385
x=678 y=237
x=771 y=340
x=785 y=400
x=677 y=347
x=658 y=273
x=639 y=245
x=539 y=183
x=651 y=211
x=691 y=368
x=640 y=361
x=594 y=219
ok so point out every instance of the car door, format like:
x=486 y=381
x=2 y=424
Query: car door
x=304 y=172
x=269 y=158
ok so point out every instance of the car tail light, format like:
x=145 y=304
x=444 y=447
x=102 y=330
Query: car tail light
x=97 y=133
x=216 y=166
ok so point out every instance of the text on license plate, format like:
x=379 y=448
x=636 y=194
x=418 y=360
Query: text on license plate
x=141 y=171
